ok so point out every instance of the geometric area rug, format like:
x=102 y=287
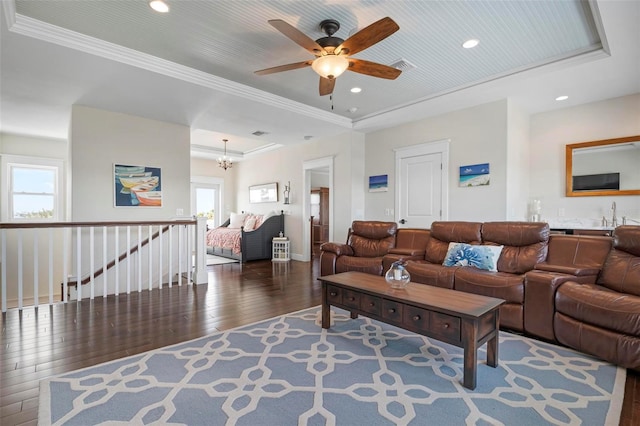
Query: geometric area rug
x=289 y=371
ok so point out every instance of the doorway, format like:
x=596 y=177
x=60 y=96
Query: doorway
x=206 y=200
x=422 y=184
x=317 y=174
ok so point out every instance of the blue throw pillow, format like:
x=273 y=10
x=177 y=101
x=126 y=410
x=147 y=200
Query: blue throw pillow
x=481 y=257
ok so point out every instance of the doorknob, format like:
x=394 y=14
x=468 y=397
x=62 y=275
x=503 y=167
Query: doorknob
x=402 y=221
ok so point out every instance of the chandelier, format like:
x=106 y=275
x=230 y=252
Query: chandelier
x=225 y=162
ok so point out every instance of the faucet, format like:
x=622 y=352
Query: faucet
x=614 y=219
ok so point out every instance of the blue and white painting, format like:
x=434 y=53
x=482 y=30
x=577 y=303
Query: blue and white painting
x=474 y=175
x=378 y=183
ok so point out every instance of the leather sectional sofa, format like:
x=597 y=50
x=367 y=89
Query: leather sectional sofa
x=577 y=290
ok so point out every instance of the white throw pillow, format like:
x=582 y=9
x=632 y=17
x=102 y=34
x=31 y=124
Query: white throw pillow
x=237 y=220
x=250 y=223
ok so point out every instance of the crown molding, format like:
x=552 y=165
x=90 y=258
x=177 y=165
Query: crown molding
x=30 y=27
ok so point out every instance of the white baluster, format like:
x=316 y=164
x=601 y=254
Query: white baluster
x=139 y=257
x=201 y=275
x=189 y=253
x=36 y=269
x=3 y=266
x=92 y=266
x=65 y=264
x=20 y=269
x=79 y=263
x=170 y=256
x=116 y=256
x=104 y=262
x=128 y=259
x=150 y=258
x=50 y=266
x=180 y=255
x=160 y=256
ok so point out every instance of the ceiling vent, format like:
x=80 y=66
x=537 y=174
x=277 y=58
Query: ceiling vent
x=403 y=65
x=259 y=133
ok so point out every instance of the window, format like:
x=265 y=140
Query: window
x=32 y=189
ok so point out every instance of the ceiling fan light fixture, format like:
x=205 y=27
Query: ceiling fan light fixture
x=159 y=6
x=330 y=66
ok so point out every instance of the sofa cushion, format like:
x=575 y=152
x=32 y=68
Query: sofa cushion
x=525 y=244
x=372 y=238
x=428 y=273
x=627 y=238
x=507 y=286
x=443 y=233
x=621 y=272
x=481 y=257
x=600 y=306
x=369 y=265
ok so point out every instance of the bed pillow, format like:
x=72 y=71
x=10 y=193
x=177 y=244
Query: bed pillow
x=237 y=220
x=250 y=223
x=481 y=257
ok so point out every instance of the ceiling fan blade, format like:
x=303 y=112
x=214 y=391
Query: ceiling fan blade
x=373 y=69
x=297 y=36
x=326 y=86
x=281 y=68
x=369 y=36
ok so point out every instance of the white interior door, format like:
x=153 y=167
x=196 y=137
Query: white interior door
x=421 y=185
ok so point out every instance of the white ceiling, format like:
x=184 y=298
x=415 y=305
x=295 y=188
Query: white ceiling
x=194 y=66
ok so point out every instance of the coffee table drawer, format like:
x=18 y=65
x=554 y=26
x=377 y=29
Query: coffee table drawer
x=392 y=311
x=370 y=304
x=334 y=295
x=415 y=319
x=351 y=299
x=445 y=327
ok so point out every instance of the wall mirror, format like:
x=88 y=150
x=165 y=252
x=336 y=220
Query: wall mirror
x=606 y=167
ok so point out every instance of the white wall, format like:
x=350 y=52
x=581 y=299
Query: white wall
x=518 y=146
x=477 y=135
x=286 y=165
x=99 y=139
x=552 y=131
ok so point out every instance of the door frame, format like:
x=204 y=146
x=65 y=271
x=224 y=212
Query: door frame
x=435 y=147
x=307 y=167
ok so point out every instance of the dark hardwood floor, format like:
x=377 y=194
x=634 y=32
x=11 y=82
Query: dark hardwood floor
x=51 y=340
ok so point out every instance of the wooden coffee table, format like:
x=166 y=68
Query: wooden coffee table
x=462 y=319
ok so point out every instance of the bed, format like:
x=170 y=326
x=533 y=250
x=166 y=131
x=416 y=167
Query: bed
x=245 y=236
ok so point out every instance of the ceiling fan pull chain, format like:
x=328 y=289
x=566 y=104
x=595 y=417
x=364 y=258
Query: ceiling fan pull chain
x=331 y=98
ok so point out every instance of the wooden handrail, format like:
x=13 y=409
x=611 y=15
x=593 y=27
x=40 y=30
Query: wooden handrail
x=23 y=225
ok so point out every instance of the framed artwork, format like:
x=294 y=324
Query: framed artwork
x=137 y=186
x=379 y=183
x=474 y=175
x=265 y=193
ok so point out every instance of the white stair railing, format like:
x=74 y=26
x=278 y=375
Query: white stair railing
x=37 y=256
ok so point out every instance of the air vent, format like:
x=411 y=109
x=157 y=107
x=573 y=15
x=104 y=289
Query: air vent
x=259 y=133
x=403 y=65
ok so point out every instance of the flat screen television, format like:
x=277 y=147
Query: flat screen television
x=609 y=181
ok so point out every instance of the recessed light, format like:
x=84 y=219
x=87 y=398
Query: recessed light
x=353 y=109
x=470 y=43
x=562 y=98
x=159 y=6
x=356 y=90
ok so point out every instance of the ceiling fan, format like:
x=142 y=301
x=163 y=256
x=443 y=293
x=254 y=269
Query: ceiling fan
x=333 y=54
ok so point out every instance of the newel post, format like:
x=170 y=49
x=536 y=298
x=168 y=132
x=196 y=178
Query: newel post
x=200 y=275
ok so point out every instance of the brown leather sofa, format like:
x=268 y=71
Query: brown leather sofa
x=367 y=243
x=581 y=291
x=603 y=318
